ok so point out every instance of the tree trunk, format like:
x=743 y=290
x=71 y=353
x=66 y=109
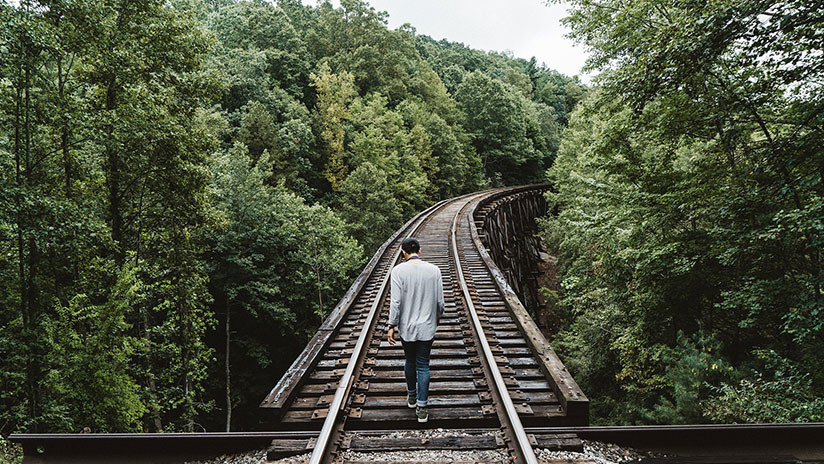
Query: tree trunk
x=186 y=327
x=150 y=379
x=64 y=130
x=228 y=374
x=32 y=357
x=21 y=226
x=187 y=378
x=113 y=179
x=320 y=298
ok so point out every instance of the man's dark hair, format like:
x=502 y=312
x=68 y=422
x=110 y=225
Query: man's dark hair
x=411 y=245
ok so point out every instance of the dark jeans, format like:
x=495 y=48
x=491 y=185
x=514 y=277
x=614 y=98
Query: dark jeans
x=417 y=368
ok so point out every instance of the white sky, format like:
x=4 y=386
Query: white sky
x=527 y=28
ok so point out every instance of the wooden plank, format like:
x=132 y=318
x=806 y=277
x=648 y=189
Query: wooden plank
x=483 y=442
x=405 y=413
x=559 y=442
x=434 y=363
x=528 y=373
x=435 y=353
x=535 y=397
x=397 y=374
x=521 y=362
x=281 y=448
x=398 y=363
x=317 y=388
x=541 y=384
x=516 y=351
x=434 y=387
x=394 y=401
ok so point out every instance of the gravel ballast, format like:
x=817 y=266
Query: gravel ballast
x=252 y=457
x=594 y=451
x=599 y=452
x=429 y=455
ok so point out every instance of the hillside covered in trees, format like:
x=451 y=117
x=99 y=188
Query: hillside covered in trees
x=188 y=187
x=690 y=226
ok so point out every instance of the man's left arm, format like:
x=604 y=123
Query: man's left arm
x=441 y=303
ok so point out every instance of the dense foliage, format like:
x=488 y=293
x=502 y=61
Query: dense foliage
x=187 y=187
x=690 y=192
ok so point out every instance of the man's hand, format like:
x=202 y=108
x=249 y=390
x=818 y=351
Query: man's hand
x=390 y=335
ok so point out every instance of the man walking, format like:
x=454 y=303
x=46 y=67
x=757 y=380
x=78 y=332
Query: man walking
x=416 y=307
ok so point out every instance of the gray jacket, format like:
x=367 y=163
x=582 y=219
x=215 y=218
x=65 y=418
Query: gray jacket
x=416 y=295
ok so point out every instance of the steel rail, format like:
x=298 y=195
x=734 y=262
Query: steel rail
x=522 y=445
x=342 y=392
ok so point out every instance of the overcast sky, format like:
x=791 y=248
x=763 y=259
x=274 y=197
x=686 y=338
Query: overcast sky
x=527 y=28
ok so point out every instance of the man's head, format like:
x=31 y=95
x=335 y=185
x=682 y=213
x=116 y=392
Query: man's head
x=410 y=246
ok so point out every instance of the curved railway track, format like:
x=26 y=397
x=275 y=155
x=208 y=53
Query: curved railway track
x=492 y=371
x=496 y=385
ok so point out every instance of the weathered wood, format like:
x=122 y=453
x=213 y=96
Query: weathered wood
x=434 y=387
x=408 y=444
x=435 y=353
x=404 y=413
x=434 y=363
x=566 y=389
x=445 y=401
x=456 y=399
x=397 y=374
x=557 y=442
x=282 y=448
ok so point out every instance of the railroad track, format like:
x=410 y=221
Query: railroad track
x=345 y=394
x=491 y=369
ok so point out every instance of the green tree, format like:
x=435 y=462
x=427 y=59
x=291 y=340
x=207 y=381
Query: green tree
x=258 y=50
x=335 y=91
x=368 y=206
x=379 y=136
x=45 y=231
x=778 y=392
x=690 y=192
x=146 y=79
x=258 y=131
x=271 y=261
x=123 y=240
x=451 y=164
x=499 y=120
x=91 y=373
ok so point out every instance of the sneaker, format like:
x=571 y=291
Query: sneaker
x=411 y=401
x=422 y=415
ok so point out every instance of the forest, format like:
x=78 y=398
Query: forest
x=689 y=191
x=188 y=187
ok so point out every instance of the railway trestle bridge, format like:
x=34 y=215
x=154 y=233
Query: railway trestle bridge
x=497 y=385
